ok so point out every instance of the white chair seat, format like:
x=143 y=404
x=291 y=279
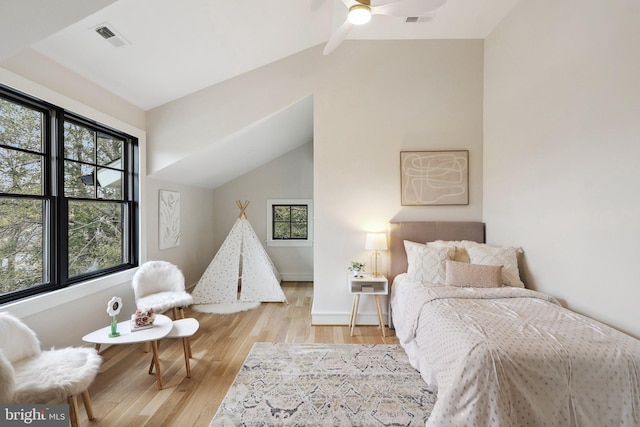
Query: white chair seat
x=29 y=375
x=163 y=301
x=38 y=379
x=160 y=285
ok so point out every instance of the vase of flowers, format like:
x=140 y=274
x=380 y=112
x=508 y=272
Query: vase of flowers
x=357 y=268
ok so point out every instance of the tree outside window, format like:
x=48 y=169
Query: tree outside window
x=67 y=193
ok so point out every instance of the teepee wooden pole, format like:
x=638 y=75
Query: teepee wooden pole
x=243 y=208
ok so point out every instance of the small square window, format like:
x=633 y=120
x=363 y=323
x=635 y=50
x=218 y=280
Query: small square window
x=289 y=222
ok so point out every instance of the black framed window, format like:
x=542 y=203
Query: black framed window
x=68 y=198
x=289 y=222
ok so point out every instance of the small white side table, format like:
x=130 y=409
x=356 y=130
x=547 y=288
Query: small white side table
x=160 y=329
x=183 y=328
x=367 y=285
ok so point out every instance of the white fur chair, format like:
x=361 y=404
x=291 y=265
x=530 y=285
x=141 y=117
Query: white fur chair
x=29 y=375
x=160 y=285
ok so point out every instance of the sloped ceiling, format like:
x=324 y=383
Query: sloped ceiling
x=174 y=48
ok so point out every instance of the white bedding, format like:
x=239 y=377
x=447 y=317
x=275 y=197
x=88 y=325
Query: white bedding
x=514 y=357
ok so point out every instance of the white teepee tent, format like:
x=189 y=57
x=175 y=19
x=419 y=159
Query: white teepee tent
x=240 y=260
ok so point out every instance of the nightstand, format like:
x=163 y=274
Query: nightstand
x=367 y=285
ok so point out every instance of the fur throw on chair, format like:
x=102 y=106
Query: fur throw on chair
x=7 y=383
x=56 y=374
x=29 y=375
x=160 y=285
x=157 y=276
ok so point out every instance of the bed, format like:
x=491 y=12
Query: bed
x=502 y=355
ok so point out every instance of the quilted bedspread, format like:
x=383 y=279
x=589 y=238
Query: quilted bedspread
x=514 y=357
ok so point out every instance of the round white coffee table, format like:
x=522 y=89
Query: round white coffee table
x=160 y=329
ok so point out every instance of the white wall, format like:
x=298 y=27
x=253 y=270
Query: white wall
x=288 y=177
x=196 y=234
x=561 y=150
x=372 y=99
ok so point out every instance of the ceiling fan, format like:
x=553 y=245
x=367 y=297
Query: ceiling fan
x=360 y=12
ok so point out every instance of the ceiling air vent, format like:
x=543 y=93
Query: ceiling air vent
x=425 y=18
x=107 y=32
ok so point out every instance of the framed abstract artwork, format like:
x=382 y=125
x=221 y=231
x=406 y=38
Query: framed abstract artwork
x=168 y=219
x=434 y=178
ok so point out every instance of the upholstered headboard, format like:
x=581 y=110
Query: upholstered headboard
x=427 y=231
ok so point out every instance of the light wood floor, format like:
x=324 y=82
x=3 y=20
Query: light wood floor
x=125 y=395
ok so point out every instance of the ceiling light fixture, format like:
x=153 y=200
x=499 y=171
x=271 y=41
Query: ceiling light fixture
x=359 y=14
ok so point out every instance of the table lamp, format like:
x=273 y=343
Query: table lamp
x=376 y=242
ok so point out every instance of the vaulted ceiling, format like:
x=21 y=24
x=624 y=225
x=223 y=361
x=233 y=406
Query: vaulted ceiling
x=168 y=49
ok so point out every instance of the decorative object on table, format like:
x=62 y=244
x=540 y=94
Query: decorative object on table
x=434 y=177
x=169 y=219
x=376 y=242
x=142 y=319
x=326 y=384
x=241 y=258
x=113 y=309
x=357 y=268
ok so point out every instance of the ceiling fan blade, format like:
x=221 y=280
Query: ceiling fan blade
x=407 y=7
x=337 y=37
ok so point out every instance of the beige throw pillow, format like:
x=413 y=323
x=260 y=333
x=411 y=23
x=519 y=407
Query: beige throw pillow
x=473 y=275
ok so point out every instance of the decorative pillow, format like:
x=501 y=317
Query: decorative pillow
x=498 y=255
x=427 y=264
x=459 y=245
x=473 y=275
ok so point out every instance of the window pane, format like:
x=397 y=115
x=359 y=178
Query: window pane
x=79 y=180
x=299 y=214
x=109 y=151
x=21 y=240
x=110 y=184
x=78 y=143
x=95 y=236
x=281 y=213
x=298 y=231
x=20 y=126
x=20 y=172
x=281 y=230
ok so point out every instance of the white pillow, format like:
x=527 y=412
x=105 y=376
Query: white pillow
x=426 y=264
x=459 y=245
x=505 y=256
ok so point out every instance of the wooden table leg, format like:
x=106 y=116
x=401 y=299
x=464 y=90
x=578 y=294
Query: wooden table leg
x=185 y=347
x=354 y=312
x=156 y=362
x=380 y=320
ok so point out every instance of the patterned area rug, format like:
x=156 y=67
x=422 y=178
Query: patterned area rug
x=326 y=385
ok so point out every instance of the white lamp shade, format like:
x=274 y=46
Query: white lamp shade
x=376 y=242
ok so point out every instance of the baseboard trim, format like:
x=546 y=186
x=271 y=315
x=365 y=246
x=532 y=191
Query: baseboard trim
x=296 y=277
